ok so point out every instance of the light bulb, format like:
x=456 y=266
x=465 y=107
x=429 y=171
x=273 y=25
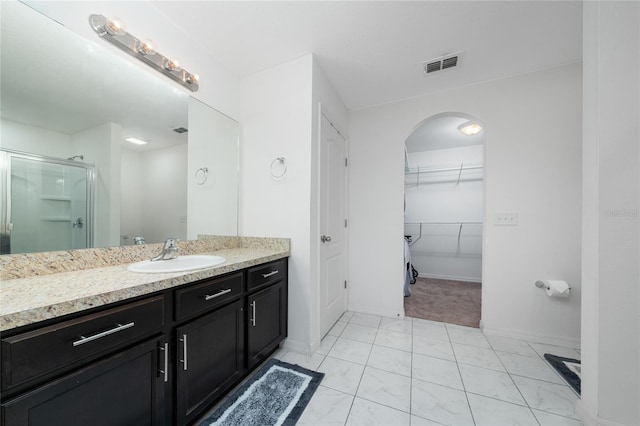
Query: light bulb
x=173 y=65
x=470 y=129
x=115 y=26
x=146 y=48
x=193 y=78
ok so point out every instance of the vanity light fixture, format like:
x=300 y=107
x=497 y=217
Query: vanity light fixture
x=470 y=128
x=114 y=31
x=136 y=141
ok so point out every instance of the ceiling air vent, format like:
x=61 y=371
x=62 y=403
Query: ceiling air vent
x=180 y=130
x=441 y=63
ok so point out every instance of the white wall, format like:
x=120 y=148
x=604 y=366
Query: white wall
x=160 y=210
x=101 y=146
x=532 y=167
x=131 y=196
x=281 y=115
x=611 y=224
x=34 y=140
x=212 y=198
x=276 y=122
x=439 y=197
x=164 y=198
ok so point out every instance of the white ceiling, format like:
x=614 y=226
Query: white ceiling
x=372 y=51
x=441 y=133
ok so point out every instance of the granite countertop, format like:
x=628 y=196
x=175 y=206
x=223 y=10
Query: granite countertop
x=28 y=300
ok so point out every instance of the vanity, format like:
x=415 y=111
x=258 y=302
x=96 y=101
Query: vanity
x=114 y=347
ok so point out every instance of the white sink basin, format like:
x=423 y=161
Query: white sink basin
x=179 y=264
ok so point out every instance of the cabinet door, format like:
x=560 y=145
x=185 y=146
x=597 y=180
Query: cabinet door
x=267 y=325
x=210 y=359
x=124 y=389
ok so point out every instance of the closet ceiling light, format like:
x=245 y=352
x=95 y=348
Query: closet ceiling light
x=470 y=129
x=136 y=141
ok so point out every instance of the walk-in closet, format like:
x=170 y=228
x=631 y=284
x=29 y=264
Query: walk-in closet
x=444 y=190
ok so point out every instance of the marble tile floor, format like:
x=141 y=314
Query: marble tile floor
x=402 y=372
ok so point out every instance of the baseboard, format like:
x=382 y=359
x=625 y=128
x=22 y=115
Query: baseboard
x=585 y=417
x=295 y=346
x=531 y=337
x=451 y=277
x=374 y=311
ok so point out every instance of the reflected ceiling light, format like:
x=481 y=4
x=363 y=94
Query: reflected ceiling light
x=136 y=141
x=470 y=128
x=114 y=31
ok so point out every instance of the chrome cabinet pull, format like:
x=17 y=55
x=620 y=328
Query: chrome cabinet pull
x=218 y=294
x=119 y=327
x=165 y=349
x=253 y=313
x=184 y=352
x=269 y=274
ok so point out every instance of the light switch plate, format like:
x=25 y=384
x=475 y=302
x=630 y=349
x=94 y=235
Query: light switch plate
x=505 y=219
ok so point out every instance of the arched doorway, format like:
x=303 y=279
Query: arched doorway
x=444 y=199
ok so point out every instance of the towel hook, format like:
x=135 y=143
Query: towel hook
x=283 y=164
x=201 y=175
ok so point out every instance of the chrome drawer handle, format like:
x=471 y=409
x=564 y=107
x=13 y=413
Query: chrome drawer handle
x=269 y=274
x=165 y=349
x=119 y=327
x=184 y=351
x=218 y=294
x=253 y=313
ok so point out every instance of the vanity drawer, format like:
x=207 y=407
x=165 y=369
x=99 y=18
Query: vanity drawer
x=266 y=274
x=30 y=355
x=202 y=297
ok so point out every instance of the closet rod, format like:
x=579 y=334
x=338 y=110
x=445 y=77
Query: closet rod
x=448 y=169
x=440 y=223
x=443 y=223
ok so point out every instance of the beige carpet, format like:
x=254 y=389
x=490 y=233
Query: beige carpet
x=454 y=302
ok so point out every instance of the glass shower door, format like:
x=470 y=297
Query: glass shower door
x=48 y=204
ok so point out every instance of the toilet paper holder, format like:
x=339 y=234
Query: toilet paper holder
x=541 y=284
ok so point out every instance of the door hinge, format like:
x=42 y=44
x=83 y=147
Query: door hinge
x=346 y=162
x=345 y=283
x=345 y=223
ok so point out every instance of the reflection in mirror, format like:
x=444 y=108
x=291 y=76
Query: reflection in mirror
x=64 y=96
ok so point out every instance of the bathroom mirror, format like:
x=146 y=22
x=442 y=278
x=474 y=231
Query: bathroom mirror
x=66 y=97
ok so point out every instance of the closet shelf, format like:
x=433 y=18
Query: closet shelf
x=459 y=224
x=420 y=171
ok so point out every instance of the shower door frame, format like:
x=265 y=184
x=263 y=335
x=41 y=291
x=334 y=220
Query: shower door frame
x=6 y=156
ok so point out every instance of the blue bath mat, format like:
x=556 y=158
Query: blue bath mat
x=276 y=395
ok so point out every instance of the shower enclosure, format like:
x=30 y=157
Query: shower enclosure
x=47 y=203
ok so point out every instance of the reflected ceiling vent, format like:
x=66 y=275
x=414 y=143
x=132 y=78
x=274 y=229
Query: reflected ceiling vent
x=180 y=130
x=441 y=63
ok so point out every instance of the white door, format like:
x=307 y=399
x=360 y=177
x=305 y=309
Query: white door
x=333 y=293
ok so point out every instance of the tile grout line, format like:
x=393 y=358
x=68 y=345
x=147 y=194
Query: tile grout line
x=513 y=381
x=466 y=395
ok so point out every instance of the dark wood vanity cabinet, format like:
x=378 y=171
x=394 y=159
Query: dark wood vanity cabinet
x=162 y=359
x=210 y=354
x=122 y=389
x=266 y=310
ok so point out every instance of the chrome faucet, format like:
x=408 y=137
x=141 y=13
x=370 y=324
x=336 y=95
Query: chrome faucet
x=169 y=251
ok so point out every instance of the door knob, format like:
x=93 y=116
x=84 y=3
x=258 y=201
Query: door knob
x=325 y=239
